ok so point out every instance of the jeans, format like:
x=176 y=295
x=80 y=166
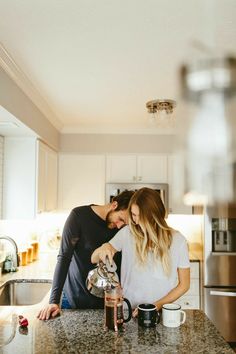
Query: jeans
x=64 y=302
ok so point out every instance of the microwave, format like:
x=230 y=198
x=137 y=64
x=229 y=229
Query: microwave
x=113 y=189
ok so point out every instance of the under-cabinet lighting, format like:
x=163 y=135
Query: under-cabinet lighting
x=9 y=124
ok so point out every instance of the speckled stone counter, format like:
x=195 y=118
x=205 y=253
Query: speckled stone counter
x=82 y=331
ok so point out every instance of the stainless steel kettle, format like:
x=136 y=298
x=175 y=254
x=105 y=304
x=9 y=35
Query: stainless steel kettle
x=102 y=277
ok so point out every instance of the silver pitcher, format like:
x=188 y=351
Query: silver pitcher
x=102 y=277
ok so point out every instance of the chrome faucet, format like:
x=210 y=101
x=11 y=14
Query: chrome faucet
x=15 y=255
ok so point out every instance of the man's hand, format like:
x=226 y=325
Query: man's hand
x=49 y=311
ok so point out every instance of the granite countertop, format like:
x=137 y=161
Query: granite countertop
x=82 y=331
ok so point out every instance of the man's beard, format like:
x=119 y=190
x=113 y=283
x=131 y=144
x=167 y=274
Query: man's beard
x=110 y=223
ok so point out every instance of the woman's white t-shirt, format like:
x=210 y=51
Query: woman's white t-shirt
x=149 y=283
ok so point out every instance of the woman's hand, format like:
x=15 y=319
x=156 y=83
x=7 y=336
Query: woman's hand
x=103 y=252
x=135 y=312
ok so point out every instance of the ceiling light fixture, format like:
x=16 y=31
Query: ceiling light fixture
x=160 y=108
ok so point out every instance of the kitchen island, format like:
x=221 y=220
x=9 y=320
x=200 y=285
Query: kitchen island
x=82 y=331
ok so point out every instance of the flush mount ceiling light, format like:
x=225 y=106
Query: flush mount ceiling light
x=160 y=108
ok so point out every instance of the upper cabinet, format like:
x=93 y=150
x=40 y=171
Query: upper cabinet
x=81 y=180
x=136 y=168
x=30 y=178
x=46 y=178
x=150 y=168
x=176 y=182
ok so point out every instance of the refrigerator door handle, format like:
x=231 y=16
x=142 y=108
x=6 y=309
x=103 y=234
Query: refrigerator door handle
x=222 y=293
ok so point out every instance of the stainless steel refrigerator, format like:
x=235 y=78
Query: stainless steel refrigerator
x=220 y=269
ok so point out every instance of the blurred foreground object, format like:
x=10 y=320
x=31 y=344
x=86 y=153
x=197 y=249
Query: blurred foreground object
x=207 y=143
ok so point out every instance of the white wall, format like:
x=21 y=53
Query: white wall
x=14 y=100
x=116 y=143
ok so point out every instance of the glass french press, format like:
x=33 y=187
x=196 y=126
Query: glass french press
x=114 y=312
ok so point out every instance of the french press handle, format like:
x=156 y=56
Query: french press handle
x=129 y=309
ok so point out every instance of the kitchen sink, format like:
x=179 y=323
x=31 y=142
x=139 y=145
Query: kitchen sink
x=22 y=292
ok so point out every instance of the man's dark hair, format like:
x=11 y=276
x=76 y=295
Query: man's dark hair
x=123 y=199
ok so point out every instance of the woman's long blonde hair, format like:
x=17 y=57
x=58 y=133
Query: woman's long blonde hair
x=152 y=232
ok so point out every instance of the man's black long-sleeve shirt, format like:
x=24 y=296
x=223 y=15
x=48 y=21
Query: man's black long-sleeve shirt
x=84 y=231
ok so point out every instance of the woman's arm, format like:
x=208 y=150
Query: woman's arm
x=106 y=250
x=179 y=290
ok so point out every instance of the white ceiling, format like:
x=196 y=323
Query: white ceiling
x=97 y=62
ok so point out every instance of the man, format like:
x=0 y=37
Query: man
x=86 y=229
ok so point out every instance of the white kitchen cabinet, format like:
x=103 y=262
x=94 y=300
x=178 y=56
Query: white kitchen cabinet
x=19 y=178
x=121 y=168
x=136 y=168
x=176 y=180
x=191 y=299
x=28 y=178
x=46 y=178
x=81 y=180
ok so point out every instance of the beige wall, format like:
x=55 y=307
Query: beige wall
x=116 y=143
x=14 y=100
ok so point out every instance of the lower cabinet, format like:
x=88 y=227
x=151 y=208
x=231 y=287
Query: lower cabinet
x=191 y=299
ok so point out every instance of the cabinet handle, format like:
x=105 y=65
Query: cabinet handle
x=222 y=293
x=139 y=178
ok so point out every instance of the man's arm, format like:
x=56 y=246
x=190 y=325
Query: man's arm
x=68 y=243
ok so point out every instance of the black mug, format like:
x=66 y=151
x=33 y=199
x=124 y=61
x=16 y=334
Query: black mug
x=148 y=316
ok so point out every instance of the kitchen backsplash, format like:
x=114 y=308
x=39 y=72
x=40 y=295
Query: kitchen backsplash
x=47 y=229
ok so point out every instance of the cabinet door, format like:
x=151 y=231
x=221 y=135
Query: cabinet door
x=19 y=178
x=41 y=177
x=176 y=180
x=51 y=181
x=121 y=168
x=152 y=168
x=81 y=180
x=46 y=178
x=191 y=299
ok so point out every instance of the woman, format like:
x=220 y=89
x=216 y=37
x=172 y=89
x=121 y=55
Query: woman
x=155 y=264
